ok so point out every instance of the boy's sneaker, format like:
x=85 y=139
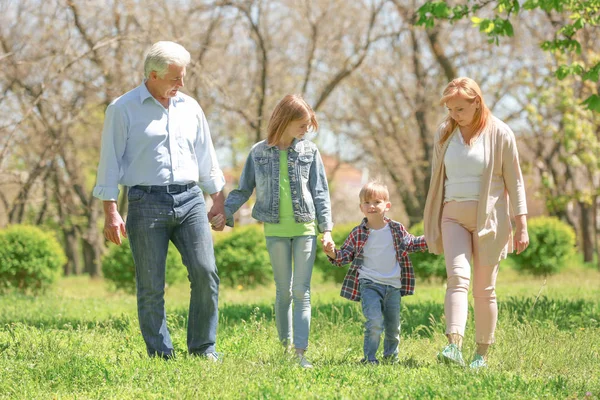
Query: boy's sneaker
x=213 y=357
x=478 y=362
x=451 y=355
x=369 y=362
x=303 y=362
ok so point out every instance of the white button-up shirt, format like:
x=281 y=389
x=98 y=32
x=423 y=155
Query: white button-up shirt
x=145 y=144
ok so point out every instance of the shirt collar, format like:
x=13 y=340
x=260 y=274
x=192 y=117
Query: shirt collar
x=363 y=224
x=145 y=94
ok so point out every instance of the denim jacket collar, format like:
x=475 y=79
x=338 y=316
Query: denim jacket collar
x=295 y=145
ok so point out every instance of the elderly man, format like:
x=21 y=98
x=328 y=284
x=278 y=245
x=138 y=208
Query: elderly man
x=156 y=142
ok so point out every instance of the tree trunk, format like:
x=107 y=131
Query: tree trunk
x=588 y=231
x=73 y=265
x=92 y=243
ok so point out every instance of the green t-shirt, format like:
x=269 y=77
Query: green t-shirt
x=287 y=226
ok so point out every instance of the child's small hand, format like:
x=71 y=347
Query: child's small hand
x=328 y=246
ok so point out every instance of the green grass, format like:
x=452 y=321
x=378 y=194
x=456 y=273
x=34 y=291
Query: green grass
x=82 y=341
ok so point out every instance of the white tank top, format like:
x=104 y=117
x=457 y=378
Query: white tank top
x=464 y=167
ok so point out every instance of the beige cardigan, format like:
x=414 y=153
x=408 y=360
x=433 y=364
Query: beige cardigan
x=501 y=180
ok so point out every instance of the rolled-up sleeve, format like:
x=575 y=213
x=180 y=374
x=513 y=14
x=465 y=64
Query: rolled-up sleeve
x=114 y=137
x=210 y=176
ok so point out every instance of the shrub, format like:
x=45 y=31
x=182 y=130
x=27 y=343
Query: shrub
x=551 y=243
x=331 y=272
x=30 y=258
x=118 y=267
x=427 y=265
x=242 y=257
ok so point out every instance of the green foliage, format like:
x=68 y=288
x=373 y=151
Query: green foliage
x=554 y=110
x=118 y=267
x=427 y=265
x=551 y=244
x=30 y=259
x=582 y=14
x=242 y=257
x=330 y=271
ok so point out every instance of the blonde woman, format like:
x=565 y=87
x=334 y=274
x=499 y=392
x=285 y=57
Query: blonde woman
x=292 y=199
x=476 y=184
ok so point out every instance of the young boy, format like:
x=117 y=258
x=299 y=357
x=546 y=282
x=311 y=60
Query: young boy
x=381 y=271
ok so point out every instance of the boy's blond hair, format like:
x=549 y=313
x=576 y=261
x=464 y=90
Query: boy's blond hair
x=374 y=190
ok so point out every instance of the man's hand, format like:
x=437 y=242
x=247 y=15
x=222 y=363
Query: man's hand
x=217 y=223
x=114 y=226
x=216 y=215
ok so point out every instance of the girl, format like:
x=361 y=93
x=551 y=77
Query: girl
x=292 y=199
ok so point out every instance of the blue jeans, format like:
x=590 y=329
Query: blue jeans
x=292 y=286
x=153 y=220
x=381 y=307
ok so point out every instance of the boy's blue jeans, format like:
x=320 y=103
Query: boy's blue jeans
x=153 y=219
x=381 y=307
x=292 y=285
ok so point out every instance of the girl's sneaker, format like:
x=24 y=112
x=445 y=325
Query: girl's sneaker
x=451 y=355
x=303 y=362
x=478 y=362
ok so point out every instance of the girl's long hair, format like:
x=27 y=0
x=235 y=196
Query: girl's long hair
x=469 y=89
x=291 y=108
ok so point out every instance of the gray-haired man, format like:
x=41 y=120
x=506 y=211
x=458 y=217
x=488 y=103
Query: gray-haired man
x=156 y=141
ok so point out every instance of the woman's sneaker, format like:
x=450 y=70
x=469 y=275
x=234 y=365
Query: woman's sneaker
x=478 y=362
x=451 y=355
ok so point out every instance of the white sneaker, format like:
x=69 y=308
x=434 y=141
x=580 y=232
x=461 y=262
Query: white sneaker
x=304 y=363
x=214 y=357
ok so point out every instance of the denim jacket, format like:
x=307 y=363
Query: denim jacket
x=308 y=184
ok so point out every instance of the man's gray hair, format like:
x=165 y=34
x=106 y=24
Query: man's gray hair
x=162 y=54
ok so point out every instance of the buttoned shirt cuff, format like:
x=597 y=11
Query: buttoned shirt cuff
x=106 y=193
x=213 y=186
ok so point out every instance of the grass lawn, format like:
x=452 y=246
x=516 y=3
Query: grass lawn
x=82 y=341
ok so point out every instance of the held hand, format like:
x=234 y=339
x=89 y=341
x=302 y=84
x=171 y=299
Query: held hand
x=327 y=239
x=217 y=223
x=328 y=245
x=218 y=208
x=114 y=227
x=521 y=240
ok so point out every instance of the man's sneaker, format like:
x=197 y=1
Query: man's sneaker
x=478 y=362
x=371 y=362
x=391 y=359
x=451 y=355
x=303 y=362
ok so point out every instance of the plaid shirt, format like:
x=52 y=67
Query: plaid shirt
x=352 y=252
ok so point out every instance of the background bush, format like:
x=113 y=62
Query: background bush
x=551 y=244
x=427 y=265
x=329 y=271
x=30 y=259
x=118 y=267
x=242 y=257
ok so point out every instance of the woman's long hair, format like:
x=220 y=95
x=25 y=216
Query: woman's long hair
x=291 y=108
x=469 y=89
